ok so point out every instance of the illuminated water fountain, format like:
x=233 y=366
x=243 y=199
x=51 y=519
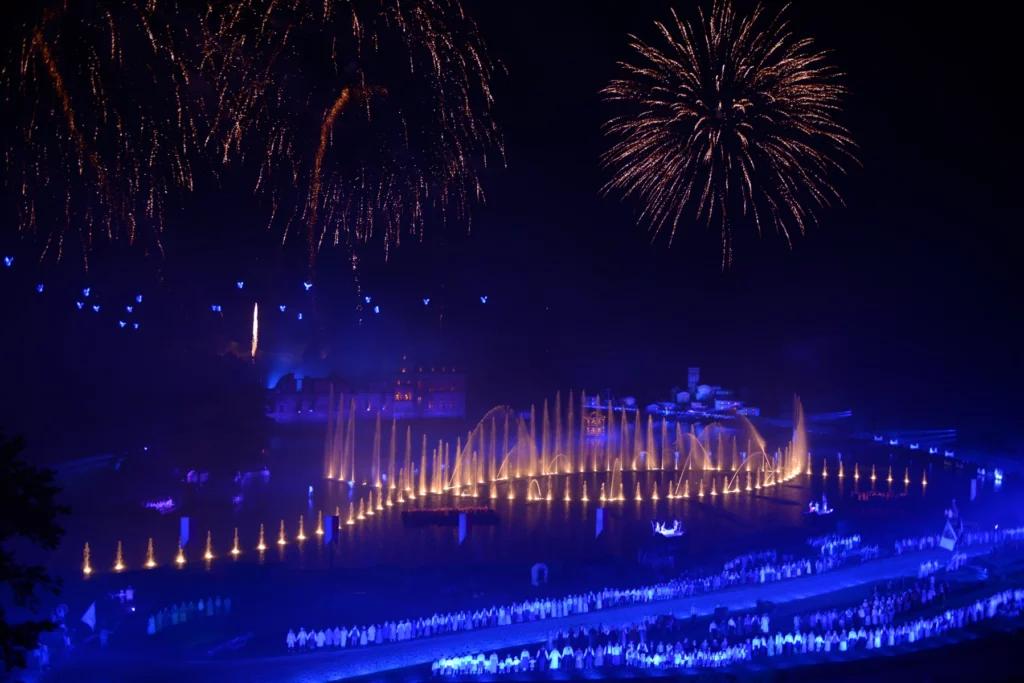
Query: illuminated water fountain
x=208 y=555
x=119 y=560
x=235 y=550
x=150 y=560
x=86 y=566
x=906 y=477
x=889 y=477
x=179 y=559
x=262 y=546
x=280 y=535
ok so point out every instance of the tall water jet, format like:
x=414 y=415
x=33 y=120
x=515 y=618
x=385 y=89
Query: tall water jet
x=390 y=502
x=824 y=469
x=748 y=480
x=557 y=447
x=533 y=484
x=575 y=461
x=505 y=451
x=616 y=483
x=262 y=546
x=362 y=510
x=423 y=468
x=208 y=555
x=840 y=469
x=351 y=514
x=906 y=477
x=150 y=559
x=235 y=550
x=375 y=461
x=320 y=523
x=545 y=455
x=280 y=535
x=568 y=492
x=873 y=473
x=401 y=497
x=494 y=490
x=637 y=443
x=889 y=477
x=584 y=497
x=713 y=491
x=369 y=508
x=800 y=448
x=700 y=492
x=654 y=493
x=856 y=471
x=392 y=483
x=924 y=478
x=302 y=530
x=119 y=559
x=638 y=495
x=686 y=489
x=547 y=496
x=603 y=498
x=179 y=559
x=350 y=443
x=650 y=459
x=492 y=467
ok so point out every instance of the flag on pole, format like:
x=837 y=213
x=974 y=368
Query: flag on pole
x=90 y=616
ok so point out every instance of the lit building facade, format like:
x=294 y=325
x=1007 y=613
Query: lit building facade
x=414 y=392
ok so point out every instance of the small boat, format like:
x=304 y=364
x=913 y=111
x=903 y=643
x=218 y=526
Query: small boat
x=664 y=530
x=820 y=509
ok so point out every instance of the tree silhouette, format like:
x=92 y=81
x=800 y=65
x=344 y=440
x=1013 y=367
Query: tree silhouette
x=28 y=510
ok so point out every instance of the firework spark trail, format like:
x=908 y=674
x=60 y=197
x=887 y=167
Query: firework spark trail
x=314 y=193
x=733 y=114
x=255 y=329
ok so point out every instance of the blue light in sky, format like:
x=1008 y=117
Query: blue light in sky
x=39 y=288
x=307 y=285
x=96 y=309
x=215 y=308
x=138 y=298
x=426 y=302
x=121 y=323
x=79 y=304
x=239 y=284
x=128 y=308
x=376 y=309
x=8 y=261
x=367 y=299
x=483 y=299
x=85 y=292
x=282 y=307
x=136 y=326
x=300 y=316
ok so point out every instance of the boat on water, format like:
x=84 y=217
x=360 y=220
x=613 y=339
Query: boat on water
x=666 y=530
x=821 y=509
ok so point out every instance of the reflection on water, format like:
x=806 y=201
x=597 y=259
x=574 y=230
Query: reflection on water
x=541 y=518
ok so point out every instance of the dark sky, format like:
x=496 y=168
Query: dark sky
x=902 y=306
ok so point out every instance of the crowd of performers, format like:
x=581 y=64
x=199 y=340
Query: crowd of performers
x=964 y=540
x=755 y=568
x=659 y=642
x=834 y=543
x=191 y=611
x=750 y=569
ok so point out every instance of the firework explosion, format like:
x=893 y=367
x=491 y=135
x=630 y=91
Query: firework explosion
x=100 y=129
x=356 y=116
x=363 y=116
x=733 y=115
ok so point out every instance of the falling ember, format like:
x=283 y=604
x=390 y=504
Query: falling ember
x=86 y=567
x=119 y=560
x=255 y=329
x=150 y=560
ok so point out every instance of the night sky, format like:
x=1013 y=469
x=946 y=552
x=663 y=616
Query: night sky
x=903 y=306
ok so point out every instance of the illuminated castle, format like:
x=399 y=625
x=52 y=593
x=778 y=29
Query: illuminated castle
x=414 y=392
